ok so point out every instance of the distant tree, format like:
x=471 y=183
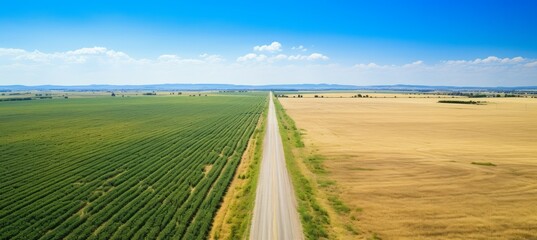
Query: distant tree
x=113 y=94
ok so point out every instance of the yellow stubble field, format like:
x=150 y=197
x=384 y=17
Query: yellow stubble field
x=421 y=169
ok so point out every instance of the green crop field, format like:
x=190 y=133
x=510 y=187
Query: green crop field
x=120 y=168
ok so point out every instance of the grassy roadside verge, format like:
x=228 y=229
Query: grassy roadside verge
x=315 y=219
x=234 y=217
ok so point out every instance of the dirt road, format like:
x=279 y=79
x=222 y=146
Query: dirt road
x=275 y=213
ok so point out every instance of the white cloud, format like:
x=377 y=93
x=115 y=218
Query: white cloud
x=372 y=65
x=36 y=56
x=168 y=58
x=367 y=66
x=204 y=58
x=513 y=60
x=75 y=56
x=414 y=64
x=11 y=51
x=278 y=57
x=281 y=57
x=489 y=60
x=317 y=56
x=87 y=51
x=115 y=54
x=300 y=48
x=273 y=47
x=455 y=62
x=247 y=57
x=296 y=57
x=252 y=56
x=272 y=56
x=83 y=54
x=311 y=57
x=212 y=58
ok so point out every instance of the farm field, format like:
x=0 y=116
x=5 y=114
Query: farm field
x=417 y=169
x=120 y=168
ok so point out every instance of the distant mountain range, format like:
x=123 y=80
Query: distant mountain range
x=279 y=87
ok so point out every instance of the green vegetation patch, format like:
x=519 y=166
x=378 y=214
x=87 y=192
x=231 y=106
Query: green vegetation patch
x=120 y=168
x=338 y=205
x=375 y=236
x=484 y=164
x=15 y=99
x=315 y=163
x=351 y=229
x=462 y=102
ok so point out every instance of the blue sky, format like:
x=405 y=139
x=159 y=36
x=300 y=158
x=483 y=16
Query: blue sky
x=485 y=43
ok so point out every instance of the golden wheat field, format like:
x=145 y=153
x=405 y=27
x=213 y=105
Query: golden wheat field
x=426 y=170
